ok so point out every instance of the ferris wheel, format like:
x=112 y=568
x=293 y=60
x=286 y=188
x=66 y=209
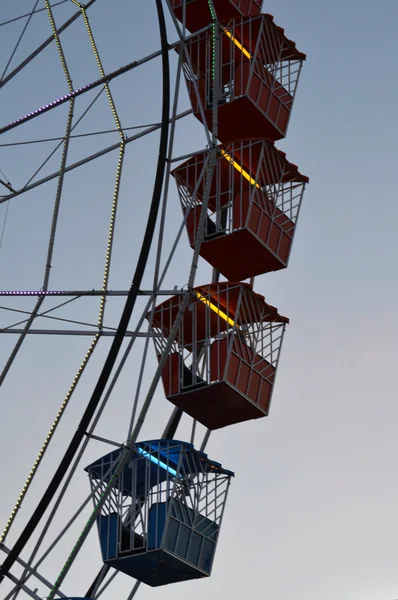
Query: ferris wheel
x=141 y=198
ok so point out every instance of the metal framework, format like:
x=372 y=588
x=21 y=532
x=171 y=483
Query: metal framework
x=222 y=366
x=165 y=508
x=252 y=210
x=162 y=501
x=259 y=69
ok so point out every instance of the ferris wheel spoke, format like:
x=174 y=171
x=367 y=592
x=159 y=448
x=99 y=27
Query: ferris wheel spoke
x=77 y=135
x=49 y=255
x=74 y=93
x=89 y=158
x=92 y=590
x=31 y=593
x=106 y=584
x=95 y=421
x=159 y=181
x=177 y=413
x=35 y=12
x=148 y=399
x=32 y=571
x=57 y=201
x=95 y=399
x=105 y=79
x=53 y=152
x=134 y=336
x=34 y=314
x=156 y=281
x=42 y=314
x=173 y=121
x=139 y=381
x=49 y=437
x=119 y=163
x=134 y=590
x=22 y=335
x=44 y=45
x=45 y=316
x=208 y=83
x=30 y=15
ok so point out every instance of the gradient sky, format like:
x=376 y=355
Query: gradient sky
x=312 y=509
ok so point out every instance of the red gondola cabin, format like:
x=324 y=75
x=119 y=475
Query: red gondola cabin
x=222 y=366
x=253 y=206
x=259 y=68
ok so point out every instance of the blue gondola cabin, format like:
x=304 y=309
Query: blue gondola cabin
x=161 y=521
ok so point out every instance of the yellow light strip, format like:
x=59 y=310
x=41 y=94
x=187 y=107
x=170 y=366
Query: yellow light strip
x=214 y=308
x=119 y=164
x=239 y=168
x=91 y=349
x=237 y=44
x=58 y=44
x=48 y=438
x=47 y=441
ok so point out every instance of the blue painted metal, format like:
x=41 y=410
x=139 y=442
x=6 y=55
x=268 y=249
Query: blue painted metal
x=168 y=451
x=163 y=526
x=178 y=535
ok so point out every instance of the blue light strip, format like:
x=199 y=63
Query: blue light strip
x=156 y=461
x=73 y=94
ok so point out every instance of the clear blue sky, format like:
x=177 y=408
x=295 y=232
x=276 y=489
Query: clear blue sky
x=312 y=510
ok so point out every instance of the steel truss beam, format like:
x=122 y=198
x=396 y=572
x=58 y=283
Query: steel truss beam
x=33 y=572
x=43 y=46
x=117 y=293
x=84 y=161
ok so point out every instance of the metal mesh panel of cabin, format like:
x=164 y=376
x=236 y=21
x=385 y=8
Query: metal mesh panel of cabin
x=194 y=513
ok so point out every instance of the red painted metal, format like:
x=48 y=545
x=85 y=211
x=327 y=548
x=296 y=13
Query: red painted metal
x=242 y=393
x=198 y=13
x=222 y=365
x=259 y=68
x=221 y=369
x=260 y=223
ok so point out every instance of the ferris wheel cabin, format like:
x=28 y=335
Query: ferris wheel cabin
x=222 y=366
x=197 y=12
x=161 y=521
x=259 y=69
x=252 y=211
